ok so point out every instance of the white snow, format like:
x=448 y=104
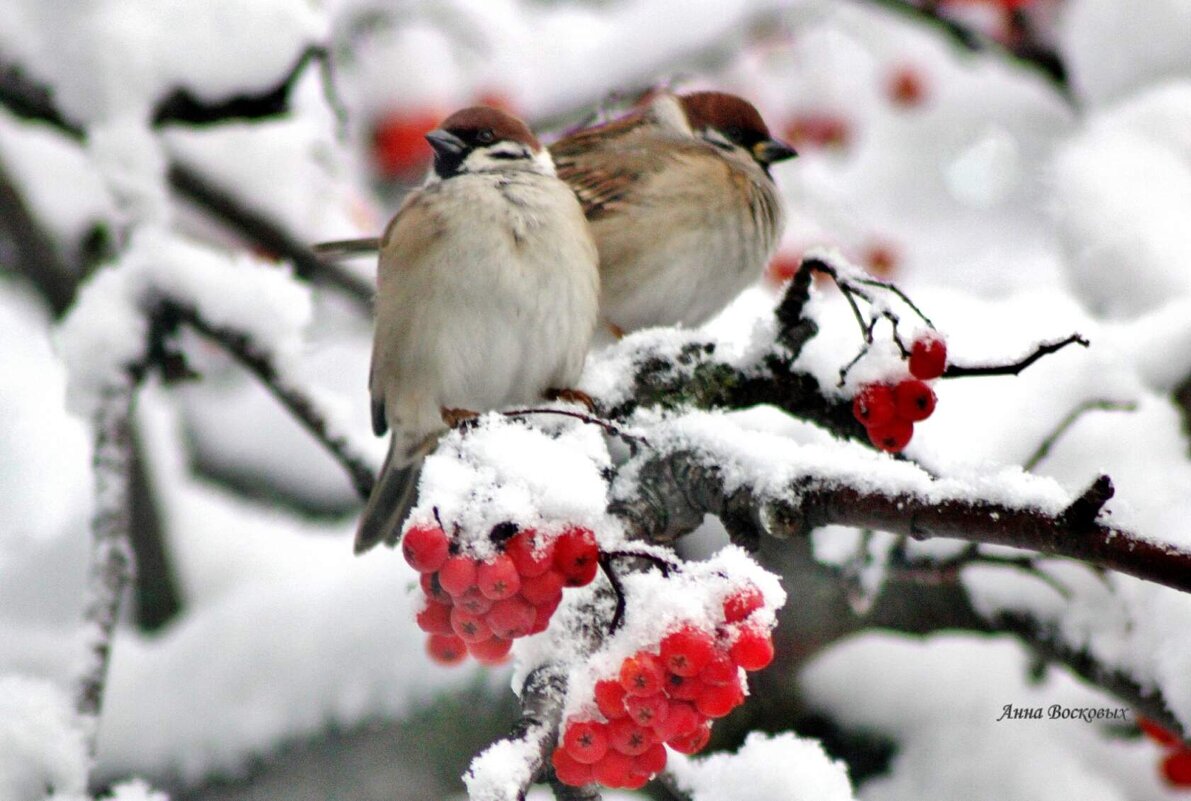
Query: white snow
x=767 y=766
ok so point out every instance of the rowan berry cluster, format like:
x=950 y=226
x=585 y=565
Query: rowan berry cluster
x=889 y=411
x=667 y=695
x=1176 y=764
x=479 y=606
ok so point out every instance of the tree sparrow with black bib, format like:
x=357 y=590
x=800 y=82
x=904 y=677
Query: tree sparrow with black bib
x=487 y=293
x=681 y=202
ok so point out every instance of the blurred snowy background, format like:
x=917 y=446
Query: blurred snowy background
x=1023 y=170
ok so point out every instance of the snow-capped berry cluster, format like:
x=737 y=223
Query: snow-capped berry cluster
x=889 y=411
x=665 y=695
x=1176 y=764
x=479 y=606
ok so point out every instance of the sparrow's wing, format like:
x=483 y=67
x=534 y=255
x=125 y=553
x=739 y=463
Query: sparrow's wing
x=409 y=247
x=611 y=175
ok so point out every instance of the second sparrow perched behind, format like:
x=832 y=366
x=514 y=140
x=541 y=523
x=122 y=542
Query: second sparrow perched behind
x=684 y=211
x=486 y=296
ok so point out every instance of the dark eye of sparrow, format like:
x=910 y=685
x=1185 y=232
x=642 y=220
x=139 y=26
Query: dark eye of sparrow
x=484 y=137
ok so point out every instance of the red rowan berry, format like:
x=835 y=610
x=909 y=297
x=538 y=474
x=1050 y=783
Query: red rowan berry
x=511 y=617
x=686 y=651
x=493 y=651
x=586 y=741
x=641 y=674
x=874 y=406
x=425 y=548
x=446 y=649
x=435 y=618
x=609 y=698
x=629 y=737
x=753 y=648
x=499 y=578
x=743 y=603
x=928 y=357
x=893 y=437
x=569 y=770
x=576 y=556
x=457 y=575
x=717 y=700
x=913 y=400
x=694 y=742
x=530 y=559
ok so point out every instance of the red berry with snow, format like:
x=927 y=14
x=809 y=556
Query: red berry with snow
x=893 y=437
x=742 y=603
x=928 y=357
x=499 y=578
x=458 y=575
x=446 y=649
x=609 y=698
x=642 y=675
x=874 y=406
x=913 y=400
x=576 y=556
x=687 y=651
x=425 y=548
x=586 y=741
x=529 y=559
x=753 y=649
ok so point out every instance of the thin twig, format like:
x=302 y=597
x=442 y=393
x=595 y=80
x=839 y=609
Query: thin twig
x=1015 y=368
x=112 y=564
x=611 y=429
x=260 y=363
x=1065 y=424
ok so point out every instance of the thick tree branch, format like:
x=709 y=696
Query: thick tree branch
x=531 y=739
x=675 y=489
x=34 y=254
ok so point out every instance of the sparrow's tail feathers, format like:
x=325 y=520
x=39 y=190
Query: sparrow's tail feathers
x=392 y=498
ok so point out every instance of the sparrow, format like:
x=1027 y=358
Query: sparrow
x=682 y=204
x=487 y=295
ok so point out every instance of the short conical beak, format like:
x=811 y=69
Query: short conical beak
x=769 y=151
x=445 y=144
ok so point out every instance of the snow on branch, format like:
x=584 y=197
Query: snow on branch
x=673 y=489
x=258 y=361
x=111 y=566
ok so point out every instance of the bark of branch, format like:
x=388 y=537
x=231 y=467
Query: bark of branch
x=532 y=737
x=35 y=255
x=111 y=569
x=676 y=489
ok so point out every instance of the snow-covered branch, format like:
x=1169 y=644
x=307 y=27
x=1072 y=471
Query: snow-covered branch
x=111 y=567
x=261 y=363
x=674 y=490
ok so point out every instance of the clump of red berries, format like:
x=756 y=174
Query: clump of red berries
x=666 y=695
x=1176 y=764
x=479 y=606
x=889 y=411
